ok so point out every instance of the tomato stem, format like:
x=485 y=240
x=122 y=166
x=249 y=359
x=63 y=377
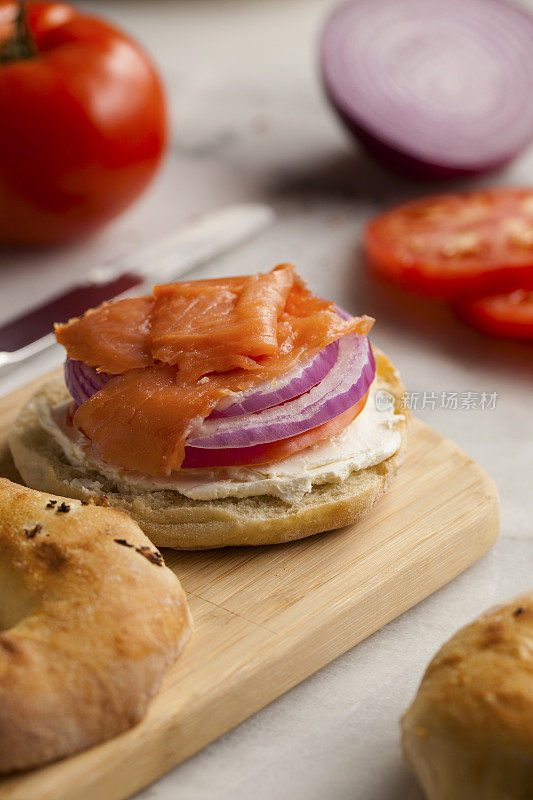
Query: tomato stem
x=20 y=45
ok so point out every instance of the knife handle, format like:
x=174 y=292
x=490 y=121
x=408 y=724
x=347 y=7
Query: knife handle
x=197 y=241
x=77 y=300
x=17 y=338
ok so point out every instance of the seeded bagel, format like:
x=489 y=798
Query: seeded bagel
x=90 y=621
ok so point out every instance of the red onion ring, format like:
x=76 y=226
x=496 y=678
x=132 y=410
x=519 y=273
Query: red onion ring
x=437 y=88
x=196 y=458
x=343 y=386
x=294 y=383
x=83 y=381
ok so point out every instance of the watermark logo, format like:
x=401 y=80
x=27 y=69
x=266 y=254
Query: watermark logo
x=449 y=401
x=384 y=400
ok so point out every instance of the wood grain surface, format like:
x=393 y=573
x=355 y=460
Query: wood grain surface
x=267 y=617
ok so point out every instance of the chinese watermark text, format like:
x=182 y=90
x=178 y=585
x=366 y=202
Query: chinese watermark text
x=448 y=401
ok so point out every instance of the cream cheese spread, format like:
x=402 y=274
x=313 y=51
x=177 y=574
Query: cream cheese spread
x=372 y=437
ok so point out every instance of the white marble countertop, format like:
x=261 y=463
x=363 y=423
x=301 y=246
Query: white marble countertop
x=250 y=122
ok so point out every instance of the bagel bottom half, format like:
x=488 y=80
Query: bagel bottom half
x=170 y=519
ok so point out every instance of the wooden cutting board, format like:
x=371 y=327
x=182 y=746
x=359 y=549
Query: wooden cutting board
x=268 y=617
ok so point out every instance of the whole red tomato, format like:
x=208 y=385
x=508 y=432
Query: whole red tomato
x=82 y=122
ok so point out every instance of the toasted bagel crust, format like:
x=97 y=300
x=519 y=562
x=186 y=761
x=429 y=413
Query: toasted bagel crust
x=172 y=520
x=90 y=621
x=469 y=731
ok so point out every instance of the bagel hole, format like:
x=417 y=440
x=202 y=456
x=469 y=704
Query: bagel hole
x=16 y=600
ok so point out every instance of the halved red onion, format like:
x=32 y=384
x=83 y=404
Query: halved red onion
x=437 y=88
x=83 y=381
x=343 y=386
x=294 y=383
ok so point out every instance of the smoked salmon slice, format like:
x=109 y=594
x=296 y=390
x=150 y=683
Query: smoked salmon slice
x=138 y=420
x=176 y=354
x=114 y=337
x=216 y=328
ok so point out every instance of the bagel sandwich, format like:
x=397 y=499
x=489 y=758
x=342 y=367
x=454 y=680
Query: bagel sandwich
x=239 y=411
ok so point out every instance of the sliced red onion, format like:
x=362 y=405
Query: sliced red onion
x=288 y=386
x=83 y=381
x=344 y=385
x=437 y=88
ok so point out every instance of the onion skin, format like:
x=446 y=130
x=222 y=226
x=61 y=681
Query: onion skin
x=411 y=167
x=432 y=111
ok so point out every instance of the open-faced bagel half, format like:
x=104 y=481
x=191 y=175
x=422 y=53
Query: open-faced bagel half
x=468 y=734
x=90 y=621
x=172 y=520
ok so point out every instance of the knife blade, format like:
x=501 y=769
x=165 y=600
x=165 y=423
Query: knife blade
x=196 y=242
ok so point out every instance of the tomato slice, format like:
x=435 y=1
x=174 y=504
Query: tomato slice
x=273 y=451
x=453 y=244
x=508 y=315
